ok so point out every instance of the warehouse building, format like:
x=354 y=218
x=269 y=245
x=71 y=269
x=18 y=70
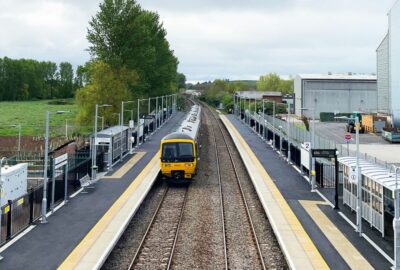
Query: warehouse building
x=335 y=93
x=388 y=68
x=259 y=95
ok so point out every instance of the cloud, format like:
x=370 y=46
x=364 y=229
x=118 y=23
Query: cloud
x=215 y=39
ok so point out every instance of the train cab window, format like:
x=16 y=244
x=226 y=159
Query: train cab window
x=177 y=152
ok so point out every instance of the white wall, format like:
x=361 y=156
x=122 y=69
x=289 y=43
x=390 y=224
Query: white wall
x=383 y=76
x=394 y=61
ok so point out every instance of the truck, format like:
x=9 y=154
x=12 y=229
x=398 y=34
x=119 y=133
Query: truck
x=351 y=124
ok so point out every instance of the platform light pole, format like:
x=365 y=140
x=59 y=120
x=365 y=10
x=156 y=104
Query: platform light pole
x=1 y=189
x=138 y=123
x=396 y=220
x=19 y=139
x=359 y=180
x=102 y=122
x=288 y=135
x=130 y=131
x=312 y=145
x=46 y=157
x=122 y=124
x=273 y=120
x=94 y=147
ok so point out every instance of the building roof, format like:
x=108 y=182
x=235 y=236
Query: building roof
x=377 y=173
x=112 y=130
x=10 y=170
x=338 y=76
x=254 y=94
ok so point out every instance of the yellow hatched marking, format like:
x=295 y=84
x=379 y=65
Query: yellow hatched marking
x=88 y=241
x=345 y=248
x=303 y=238
x=127 y=166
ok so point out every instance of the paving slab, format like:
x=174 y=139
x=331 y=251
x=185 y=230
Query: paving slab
x=294 y=188
x=47 y=245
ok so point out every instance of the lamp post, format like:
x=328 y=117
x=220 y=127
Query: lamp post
x=280 y=139
x=273 y=120
x=312 y=144
x=94 y=147
x=46 y=157
x=396 y=220
x=130 y=131
x=122 y=124
x=359 y=182
x=19 y=138
x=288 y=135
x=157 y=113
x=263 y=117
x=138 y=123
x=102 y=122
x=1 y=189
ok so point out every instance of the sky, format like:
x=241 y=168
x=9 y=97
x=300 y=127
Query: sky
x=226 y=39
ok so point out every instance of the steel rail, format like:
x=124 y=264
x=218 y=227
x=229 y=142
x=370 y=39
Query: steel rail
x=250 y=220
x=133 y=261
x=221 y=194
x=148 y=229
x=177 y=229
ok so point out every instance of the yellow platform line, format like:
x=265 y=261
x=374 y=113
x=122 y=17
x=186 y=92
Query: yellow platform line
x=298 y=248
x=127 y=166
x=345 y=248
x=106 y=227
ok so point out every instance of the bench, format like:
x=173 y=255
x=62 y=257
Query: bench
x=87 y=183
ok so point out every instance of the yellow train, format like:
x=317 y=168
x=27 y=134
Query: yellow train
x=179 y=151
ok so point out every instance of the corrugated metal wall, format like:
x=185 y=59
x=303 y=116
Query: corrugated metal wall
x=383 y=75
x=394 y=60
x=340 y=96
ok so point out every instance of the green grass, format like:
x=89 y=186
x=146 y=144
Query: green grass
x=31 y=115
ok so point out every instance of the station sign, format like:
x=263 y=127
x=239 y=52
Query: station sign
x=102 y=141
x=131 y=124
x=353 y=175
x=323 y=153
x=61 y=161
x=347 y=137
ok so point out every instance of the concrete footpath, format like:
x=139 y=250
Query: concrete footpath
x=336 y=240
x=47 y=245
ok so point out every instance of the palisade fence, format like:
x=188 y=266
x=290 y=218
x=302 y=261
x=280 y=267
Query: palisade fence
x=20 y=213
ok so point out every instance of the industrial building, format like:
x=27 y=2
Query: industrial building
x=335 y=93
x=254 y=94
x=388 y=68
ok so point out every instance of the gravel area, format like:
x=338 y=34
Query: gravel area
x=241 y=248
x=200 y=240
x=271 y=251
x=123 y=253
x=157 y=246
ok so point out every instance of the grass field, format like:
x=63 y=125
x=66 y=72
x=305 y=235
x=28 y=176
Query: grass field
x=31 y=115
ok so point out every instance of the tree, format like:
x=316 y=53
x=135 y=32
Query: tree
x=108 y=86
x=272 y=82
x=66 y=80
x=123 y=34
x=181 y=80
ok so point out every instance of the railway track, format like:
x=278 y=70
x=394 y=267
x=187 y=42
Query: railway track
x=235 y=255
x=158 y=243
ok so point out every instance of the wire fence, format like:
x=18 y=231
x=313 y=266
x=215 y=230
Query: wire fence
x=299 y=135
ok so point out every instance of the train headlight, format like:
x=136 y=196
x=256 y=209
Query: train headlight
x=167 y=165
x=188 y=165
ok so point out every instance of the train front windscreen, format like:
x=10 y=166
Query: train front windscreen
x=177 y=152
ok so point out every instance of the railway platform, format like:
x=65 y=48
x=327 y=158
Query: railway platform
x=80 y=230
x=312 y=235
